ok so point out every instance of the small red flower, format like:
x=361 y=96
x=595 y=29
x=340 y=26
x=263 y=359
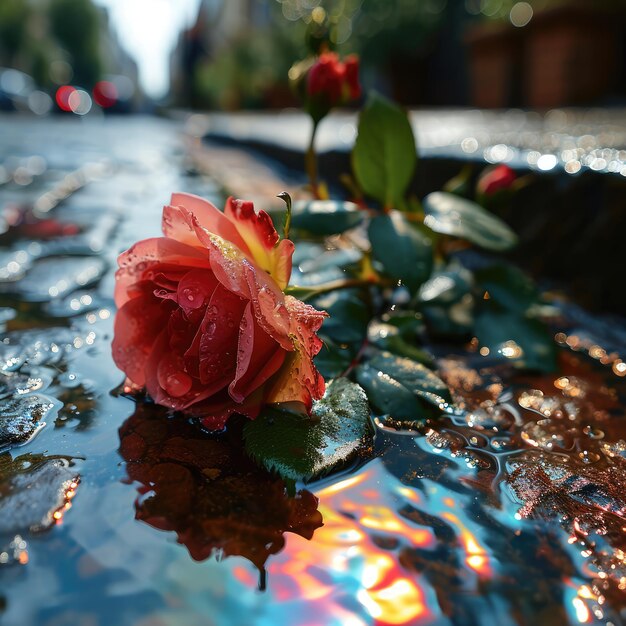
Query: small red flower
x=496 y=179
x=203 y=323
x=331 y=82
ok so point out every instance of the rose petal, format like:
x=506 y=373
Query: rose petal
x=241 y=277
x=172 y=376
x=306 y=321
x=298 y=379
x=257 y=230
x=155 y=372
x=177 y=222
x=183 y=328
x=283 y=261
x=258 y=358
x=219 y=334
x=195 y=288
x=215 y=411
x=137 y=324
x=148 y=253
x=269 y=307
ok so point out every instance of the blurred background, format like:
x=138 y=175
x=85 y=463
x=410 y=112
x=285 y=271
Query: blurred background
x=84 y=56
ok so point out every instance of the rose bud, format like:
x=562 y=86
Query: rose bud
x=495 y=179
x=330 y=83
x=352 y=76
x=203 y=323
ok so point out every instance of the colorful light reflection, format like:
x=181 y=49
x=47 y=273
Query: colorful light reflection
x=357 y=553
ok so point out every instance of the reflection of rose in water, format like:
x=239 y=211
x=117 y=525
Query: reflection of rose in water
x=206 y=489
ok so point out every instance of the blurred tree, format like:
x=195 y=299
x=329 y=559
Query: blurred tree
x=250 y=73
x=76 y=25
x=13 y=20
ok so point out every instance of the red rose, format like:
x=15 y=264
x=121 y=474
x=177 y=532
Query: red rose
x=331 y=82
x=496 y=179
x=203 y=323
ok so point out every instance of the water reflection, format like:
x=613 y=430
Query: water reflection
x=508 y=511
x=511 y=508
x=206 y=490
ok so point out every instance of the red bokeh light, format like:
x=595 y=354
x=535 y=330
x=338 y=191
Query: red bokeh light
x=105 y=94
x=63 y=97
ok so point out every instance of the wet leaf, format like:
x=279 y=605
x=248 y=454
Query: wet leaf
x=508 y=286
x=387 y=395
x=449 y=214
x=348 y=315
x=331 y=259
x=325 y=217
x=454 y=322
x=384 y=154
x=405 y=253
x=523 y=341
x=389 y=337
x=208 y=491
x=446 y=287
x=395 y=385
x=298 y=447
x=448 y=303
x=334 y=359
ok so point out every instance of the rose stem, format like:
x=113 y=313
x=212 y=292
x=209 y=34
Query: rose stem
x=311 y=162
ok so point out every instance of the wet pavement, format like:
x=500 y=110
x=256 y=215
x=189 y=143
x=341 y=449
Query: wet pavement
x=509 y=511
x=560 y=140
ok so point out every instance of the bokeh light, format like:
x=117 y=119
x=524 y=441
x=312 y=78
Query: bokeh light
x=63 y=97
x=105 y=94
x=521 y=14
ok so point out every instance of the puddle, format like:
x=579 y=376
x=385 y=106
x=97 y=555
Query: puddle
x=509 y=511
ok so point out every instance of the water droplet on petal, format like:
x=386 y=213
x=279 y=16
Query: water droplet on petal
x=178 y=384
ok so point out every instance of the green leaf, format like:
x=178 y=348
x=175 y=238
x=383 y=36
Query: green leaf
x=414 y=376
x=388 y=337
x=451 y=215
x=409 y=323
x=299 y=447
x=343 y=257
x=451 y=322
x=334 y=359
x=447 y=287
x=325 y=217
x=405 y=253
x=348 y=315
x=387 y=395
x=448 y=303
x=516 y=338
x=317 y=266
x=508 y=286
x=398 y=386
x=384 y=155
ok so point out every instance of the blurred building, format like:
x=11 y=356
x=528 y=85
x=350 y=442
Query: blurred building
x=568 y=53
x=486 y=53
x=115 y=59
x=218 y=25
